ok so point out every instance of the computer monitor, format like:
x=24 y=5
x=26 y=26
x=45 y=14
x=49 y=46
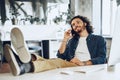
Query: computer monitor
x=114 y=56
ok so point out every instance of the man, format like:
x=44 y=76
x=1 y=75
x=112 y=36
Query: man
x=83 y=47
x=78 y=48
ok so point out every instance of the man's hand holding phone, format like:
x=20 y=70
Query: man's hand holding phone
x=67 y=34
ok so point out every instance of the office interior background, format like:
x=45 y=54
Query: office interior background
x=43 y=22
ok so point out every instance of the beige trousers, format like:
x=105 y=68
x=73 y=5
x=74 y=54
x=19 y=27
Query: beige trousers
x=41 y=64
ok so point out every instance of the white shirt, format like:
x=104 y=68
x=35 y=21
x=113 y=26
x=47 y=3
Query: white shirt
x=82 y=52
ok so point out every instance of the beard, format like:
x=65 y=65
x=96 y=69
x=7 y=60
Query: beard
x=80 y=30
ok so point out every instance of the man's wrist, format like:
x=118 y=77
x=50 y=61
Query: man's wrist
x=64 y=40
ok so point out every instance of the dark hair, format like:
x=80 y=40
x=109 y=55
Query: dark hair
x=84 y=19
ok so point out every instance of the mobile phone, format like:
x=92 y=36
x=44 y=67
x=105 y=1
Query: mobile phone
x=73 y=32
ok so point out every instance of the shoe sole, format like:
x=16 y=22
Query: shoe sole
x=18 y=43
x=9 y=56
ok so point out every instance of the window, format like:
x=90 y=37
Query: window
x=104 y=17
x=108 y=17
x=57 y=13
x=37 y=12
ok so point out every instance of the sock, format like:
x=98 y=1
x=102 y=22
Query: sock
x=28 y=67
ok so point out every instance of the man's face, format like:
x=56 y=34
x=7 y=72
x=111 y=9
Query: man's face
x=78 y=25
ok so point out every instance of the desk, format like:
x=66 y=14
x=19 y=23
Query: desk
x=55 y=74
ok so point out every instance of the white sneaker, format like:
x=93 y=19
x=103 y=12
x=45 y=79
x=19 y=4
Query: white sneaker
x=15 y=64
x=18 y=43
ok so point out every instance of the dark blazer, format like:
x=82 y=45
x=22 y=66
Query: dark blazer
x=96 y=46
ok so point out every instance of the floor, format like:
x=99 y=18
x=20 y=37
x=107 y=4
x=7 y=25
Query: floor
x=4 y=68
